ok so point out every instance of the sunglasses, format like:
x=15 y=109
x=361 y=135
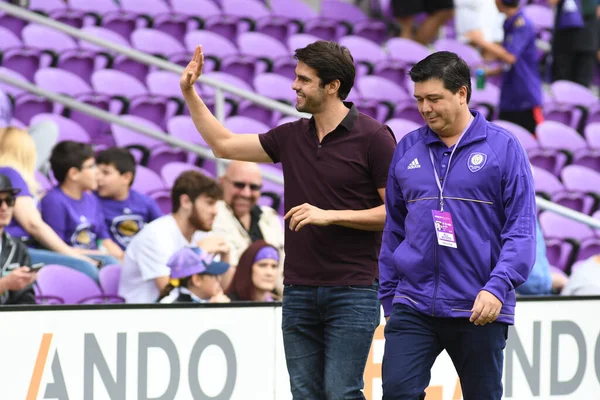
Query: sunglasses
x=10 y=201
x=242 y=185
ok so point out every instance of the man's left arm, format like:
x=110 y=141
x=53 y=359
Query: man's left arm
x=379 y=157
x=518 y=236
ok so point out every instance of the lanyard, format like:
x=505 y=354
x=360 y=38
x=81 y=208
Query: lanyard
x=441 y=185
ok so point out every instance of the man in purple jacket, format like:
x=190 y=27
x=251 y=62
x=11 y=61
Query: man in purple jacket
x=459 y=238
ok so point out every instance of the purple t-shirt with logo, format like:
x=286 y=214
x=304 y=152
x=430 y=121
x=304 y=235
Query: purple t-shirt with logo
x=15 y=229
x=124 y=219
x=80 y=223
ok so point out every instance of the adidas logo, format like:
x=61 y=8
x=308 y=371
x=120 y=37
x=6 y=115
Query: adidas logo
x=414 y=164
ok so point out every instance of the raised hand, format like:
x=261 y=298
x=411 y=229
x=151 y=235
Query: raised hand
x=193 y=70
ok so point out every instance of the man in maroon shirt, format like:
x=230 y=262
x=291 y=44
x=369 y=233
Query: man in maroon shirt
x=335 y=168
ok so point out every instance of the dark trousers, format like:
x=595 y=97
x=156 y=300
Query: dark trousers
x=528 y=119
x=327 y=335
x=414 y=340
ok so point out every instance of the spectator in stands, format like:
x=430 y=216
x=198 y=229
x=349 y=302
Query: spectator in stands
x=17 y=162
x=71 y=209
x=256 y=275
x=145 y=272
x=478 y=20
x=575 y=40
x=585 y=280
x=335 y=166
x=438 y=13
x=44 y=133
x=15 y=276
x=240 y=220
x=195 y=278
x=521 y=92
x=126 y=211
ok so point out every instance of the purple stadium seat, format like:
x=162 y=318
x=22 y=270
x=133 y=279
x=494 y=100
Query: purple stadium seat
x=541 y=16
x=365 y=52
x=276 y=26
x=171 y=171
x=307 y=17
x=264 y=47
x=26 y=60
x=592 y=135
x=151 y=107
x=163 y=199
x=9 y=89
x=147 y=181
x=155 y=42
x=300 y=40
x=9 y=39
x=563 y=236
x=546 y=182
x=274 y=86
x=47 y=6
x=182 y=127
x=468 y=53
x=400 y=127
x=406 y=50
x=42 y=37
x=526 y=139
x=28 y=105
x=351 y=14
x=555 y=135
x=392 y=98
x=109 y=277
x=72 y=286
x=43 y=181
x=67 y=128
x=102 y=33
x=163 y=83
x=97 y=6
x=588 y=248
x=211 y=15
x=554 y=139
x=582 y=179
x=61 y=81
x=570 y=97
x=219 y=52
x=241 y=124
x=13 y=24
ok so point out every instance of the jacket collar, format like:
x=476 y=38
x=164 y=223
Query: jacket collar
x=477 y=131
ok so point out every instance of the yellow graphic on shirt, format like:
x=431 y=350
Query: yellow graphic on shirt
x=84 y=237
x=125 y=227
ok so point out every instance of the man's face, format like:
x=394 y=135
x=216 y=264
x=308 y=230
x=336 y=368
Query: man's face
x=204 y=211
x=86 y=176
x=241 y=190
x=310 y=95
x=110 y=181
x=438 y=106
x=7 y=203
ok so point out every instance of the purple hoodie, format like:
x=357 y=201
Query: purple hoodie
x=490 y=194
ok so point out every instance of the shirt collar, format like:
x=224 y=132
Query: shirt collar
x=349 y=120
x=475 y=132
x=509 y=23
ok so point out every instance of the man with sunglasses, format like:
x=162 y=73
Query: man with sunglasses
x=15 y=276
x=240 y=219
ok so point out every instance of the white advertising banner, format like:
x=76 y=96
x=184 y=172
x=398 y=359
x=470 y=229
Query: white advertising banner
x=553 y=352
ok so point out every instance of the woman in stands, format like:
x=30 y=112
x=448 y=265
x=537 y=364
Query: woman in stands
x=17 y=161
x=195 y=278
x=256 y=276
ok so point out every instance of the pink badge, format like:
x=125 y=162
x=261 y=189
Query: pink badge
x=444 y=228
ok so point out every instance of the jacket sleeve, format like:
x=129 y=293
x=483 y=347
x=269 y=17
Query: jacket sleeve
x=518 y=241
x=540 y=280
x=27 y=294
x=393 y=235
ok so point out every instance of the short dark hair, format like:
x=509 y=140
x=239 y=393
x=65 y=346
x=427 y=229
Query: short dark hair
x=331 y=61
x=118 y=157
x=69 y=154
x=194 y=184
x=446 y=66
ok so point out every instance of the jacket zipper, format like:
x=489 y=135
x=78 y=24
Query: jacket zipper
x=437 y=278
x=407 y=298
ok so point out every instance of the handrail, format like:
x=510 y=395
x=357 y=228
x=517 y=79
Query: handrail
x=115 y=119
x=567 y=212
x=148 y=59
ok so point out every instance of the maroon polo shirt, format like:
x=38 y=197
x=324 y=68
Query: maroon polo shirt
x=343 y=172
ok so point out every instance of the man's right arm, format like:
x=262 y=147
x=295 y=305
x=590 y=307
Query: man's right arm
x=224 y=143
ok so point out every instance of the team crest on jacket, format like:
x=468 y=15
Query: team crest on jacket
x=476 y=161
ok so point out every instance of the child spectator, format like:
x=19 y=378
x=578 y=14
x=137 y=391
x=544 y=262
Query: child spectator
x=125 y=210
x=257 y=273
x=17 y=162
x=195 y=278
x=71 y=210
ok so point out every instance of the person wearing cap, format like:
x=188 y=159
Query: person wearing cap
x=459 y=238
x=195 y=278
x=521 y=91
x=256 y=275
x=15 y=277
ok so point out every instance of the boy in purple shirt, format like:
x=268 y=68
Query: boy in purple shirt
x=70 y=209
x=125 y=210
x=521 y=92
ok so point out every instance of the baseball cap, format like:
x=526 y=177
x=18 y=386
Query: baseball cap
x=6 y=111
x=6 y=186
x=192 y=260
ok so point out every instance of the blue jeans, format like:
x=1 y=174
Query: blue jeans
x=327 y=334
x=413 y=341
x=51 y=257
